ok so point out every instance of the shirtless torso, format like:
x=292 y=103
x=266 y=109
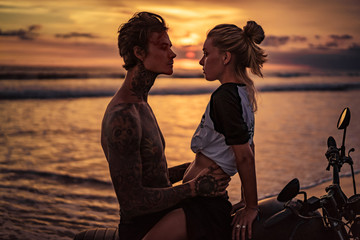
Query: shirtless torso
x=144 y=132
x=134 y=147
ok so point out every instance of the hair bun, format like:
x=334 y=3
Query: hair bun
x=254 y=32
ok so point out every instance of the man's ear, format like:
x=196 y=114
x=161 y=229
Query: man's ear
x=139 y=53
x=226 y=58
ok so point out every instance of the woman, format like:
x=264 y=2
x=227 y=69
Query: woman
x=224 y=137
x=225 y=134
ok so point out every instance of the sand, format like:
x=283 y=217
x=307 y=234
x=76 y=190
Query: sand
x=346 y=185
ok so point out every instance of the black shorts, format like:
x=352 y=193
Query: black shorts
x=206 y=218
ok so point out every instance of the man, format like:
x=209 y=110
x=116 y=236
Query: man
x=133 y=143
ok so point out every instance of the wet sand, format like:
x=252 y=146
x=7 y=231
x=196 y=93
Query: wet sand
x=346 y=184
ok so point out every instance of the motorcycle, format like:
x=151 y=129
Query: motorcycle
x=301 y=219
x=287 y=218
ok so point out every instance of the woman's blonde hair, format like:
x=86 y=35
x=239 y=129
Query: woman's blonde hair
x=243 y=46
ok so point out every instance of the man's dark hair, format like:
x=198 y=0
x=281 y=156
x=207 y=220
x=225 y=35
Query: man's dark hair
x=136 y=32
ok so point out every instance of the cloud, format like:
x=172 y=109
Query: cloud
x=341 y=37
x=355 y=47
x=299 y=39
x=333 y=59
x=277 y=41
x=336 y=41
x=321 y=43
x=75 y=35
x=27 y=34
x=324 y=47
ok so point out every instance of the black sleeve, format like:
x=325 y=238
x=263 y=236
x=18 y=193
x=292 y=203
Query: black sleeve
x=226 y=113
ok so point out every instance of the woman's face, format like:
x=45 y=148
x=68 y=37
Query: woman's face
x=212 y=61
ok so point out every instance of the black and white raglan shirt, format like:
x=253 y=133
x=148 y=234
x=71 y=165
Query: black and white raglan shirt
x=228 y=120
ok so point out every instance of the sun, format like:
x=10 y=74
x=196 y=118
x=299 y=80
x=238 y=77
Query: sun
x=190 y=55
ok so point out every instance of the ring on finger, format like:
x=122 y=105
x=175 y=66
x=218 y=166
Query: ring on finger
x=237 y=226
x=243 y=226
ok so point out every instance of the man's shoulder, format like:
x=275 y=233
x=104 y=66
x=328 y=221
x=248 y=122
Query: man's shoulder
x=121 y=125
x=125 y=109
x=121 y=113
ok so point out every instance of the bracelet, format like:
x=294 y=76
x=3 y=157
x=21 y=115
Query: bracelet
x=258 y=212
x=254 y=208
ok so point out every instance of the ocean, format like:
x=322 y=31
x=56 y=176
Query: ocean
x=54 y=177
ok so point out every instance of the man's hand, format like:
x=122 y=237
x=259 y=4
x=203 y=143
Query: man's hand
x=177 y=173
x=211 y=182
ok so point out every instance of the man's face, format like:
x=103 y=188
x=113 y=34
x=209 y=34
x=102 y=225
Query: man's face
x=160 y=57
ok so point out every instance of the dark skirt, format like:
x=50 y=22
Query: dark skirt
x=206 y=218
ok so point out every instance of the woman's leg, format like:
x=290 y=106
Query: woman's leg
x=171 y=227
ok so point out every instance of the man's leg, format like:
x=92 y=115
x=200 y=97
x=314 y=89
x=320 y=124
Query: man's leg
x=171 y=227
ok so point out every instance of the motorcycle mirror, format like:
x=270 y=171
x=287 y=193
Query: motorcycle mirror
x=344 y=119
x=289 y=191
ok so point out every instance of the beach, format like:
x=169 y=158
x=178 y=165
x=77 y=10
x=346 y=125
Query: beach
x=346 y=184
x=55 y=180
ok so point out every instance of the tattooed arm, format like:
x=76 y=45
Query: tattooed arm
x=177 y=173
x=123 y=134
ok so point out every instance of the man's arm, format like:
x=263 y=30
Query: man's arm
x=177 y=173
x=123 y=137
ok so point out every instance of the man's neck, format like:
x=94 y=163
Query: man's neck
x=139 y=82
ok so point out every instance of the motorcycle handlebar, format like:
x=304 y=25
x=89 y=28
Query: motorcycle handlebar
x=332 y=154
x=331 y=142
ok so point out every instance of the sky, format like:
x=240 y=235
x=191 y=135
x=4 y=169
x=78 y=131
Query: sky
x=301 y=35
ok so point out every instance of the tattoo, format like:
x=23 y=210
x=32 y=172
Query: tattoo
x=206 y=185
x=136 y=200
x=177 y=173
x=142 y=82
x=123 y=135
x=135 y=152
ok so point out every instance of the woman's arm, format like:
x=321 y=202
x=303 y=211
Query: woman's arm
x=246 y=168
x=245 y=163
x=241 y=202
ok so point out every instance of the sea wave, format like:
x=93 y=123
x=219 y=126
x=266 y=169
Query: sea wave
x=313 y=184
x=17 y=174
x=57 y=72
x=24 y=92
x=48 y=72
x=311 y=87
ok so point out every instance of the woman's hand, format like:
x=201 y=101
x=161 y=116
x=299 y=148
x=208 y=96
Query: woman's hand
x=242 y=222
x=237 y=206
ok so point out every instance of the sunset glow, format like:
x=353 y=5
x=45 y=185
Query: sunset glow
x=84 y=33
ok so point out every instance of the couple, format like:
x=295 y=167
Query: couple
x=150 y=206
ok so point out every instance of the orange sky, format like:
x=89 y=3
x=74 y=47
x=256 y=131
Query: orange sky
x=300 y=34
